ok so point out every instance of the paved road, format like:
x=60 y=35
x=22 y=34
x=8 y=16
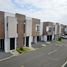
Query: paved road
x=50 y=56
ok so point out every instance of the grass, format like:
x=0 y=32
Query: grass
x=59 y=41
x=24 y=49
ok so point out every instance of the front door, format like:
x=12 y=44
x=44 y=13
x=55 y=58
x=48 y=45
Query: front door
x=38 y=38
x=27 y=41
x=12 y=43
x=1 y=44
x=50 y=37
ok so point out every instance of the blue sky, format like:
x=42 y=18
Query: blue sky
x=46 y=10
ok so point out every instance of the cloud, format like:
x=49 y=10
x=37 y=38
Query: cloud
x=6 y=5
x=46 y=10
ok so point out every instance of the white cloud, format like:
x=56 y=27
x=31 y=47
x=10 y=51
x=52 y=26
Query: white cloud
x=46 y=10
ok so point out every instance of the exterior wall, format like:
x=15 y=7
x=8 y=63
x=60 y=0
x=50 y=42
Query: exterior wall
x=30 y=40
x=46 y=26
x=56 y=31
x=7 y=34
x=12 y=27
x=2 y=31
x=35 y=22
x=65 y=29
x=41 y=28
x=57 y=28
x=35 y=32
x=48 y=29
x=45 y=38
x=20 y=29
x=61 y=29
x=28 y=28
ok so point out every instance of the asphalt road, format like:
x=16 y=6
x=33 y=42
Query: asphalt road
x=50 y=56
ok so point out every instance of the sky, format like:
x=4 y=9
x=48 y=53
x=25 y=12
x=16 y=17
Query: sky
x=46 y=10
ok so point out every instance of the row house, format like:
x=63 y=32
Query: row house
x=65 y=29
x=48 y=31
x=61 y=30
x=52 y=31
x=8 y=31
x=32 y=31
x=16 y=31
x=57 y=29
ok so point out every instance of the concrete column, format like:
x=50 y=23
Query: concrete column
x=7 y=44
x=53 y=37
x=15 y=43
x=30 y=40
x=45 y=38
x=42 y=38
x=35 y=39
x=25 y=42
x=6 y=40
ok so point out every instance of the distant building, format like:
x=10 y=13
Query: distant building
x=48 y=31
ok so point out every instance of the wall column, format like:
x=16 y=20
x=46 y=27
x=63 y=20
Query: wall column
x=30 y=40
x=7 y=44
x=45 y=38
x=35 y=39
x=15 y=43
x=53 y=37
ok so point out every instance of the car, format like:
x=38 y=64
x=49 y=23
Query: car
x=64 y=36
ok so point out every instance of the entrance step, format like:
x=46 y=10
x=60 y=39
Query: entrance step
x=48 y=43
x=31 y=48
x=43 y=45
x=14 y=52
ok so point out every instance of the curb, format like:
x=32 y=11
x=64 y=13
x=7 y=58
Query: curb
x=6 y=58
x=64 y=64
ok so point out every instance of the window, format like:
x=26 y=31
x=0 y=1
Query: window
x=7 y=26
x=37 y=28
x=50 y=29
x=53 y=28
x=24 y=27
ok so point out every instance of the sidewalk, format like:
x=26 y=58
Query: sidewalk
x=40 y=44
x=4 y=55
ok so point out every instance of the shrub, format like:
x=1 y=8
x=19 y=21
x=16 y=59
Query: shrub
x=60 y=39
x=20 y=50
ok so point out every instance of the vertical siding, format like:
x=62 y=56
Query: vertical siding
x=2 y=31
x=44 y=28
x=20 y=31
x=34 y=23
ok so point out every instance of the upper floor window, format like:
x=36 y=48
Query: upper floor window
x=53 y=28
x=37 y=28
x=7 y=26
x=48 y=29
x=24 y=27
